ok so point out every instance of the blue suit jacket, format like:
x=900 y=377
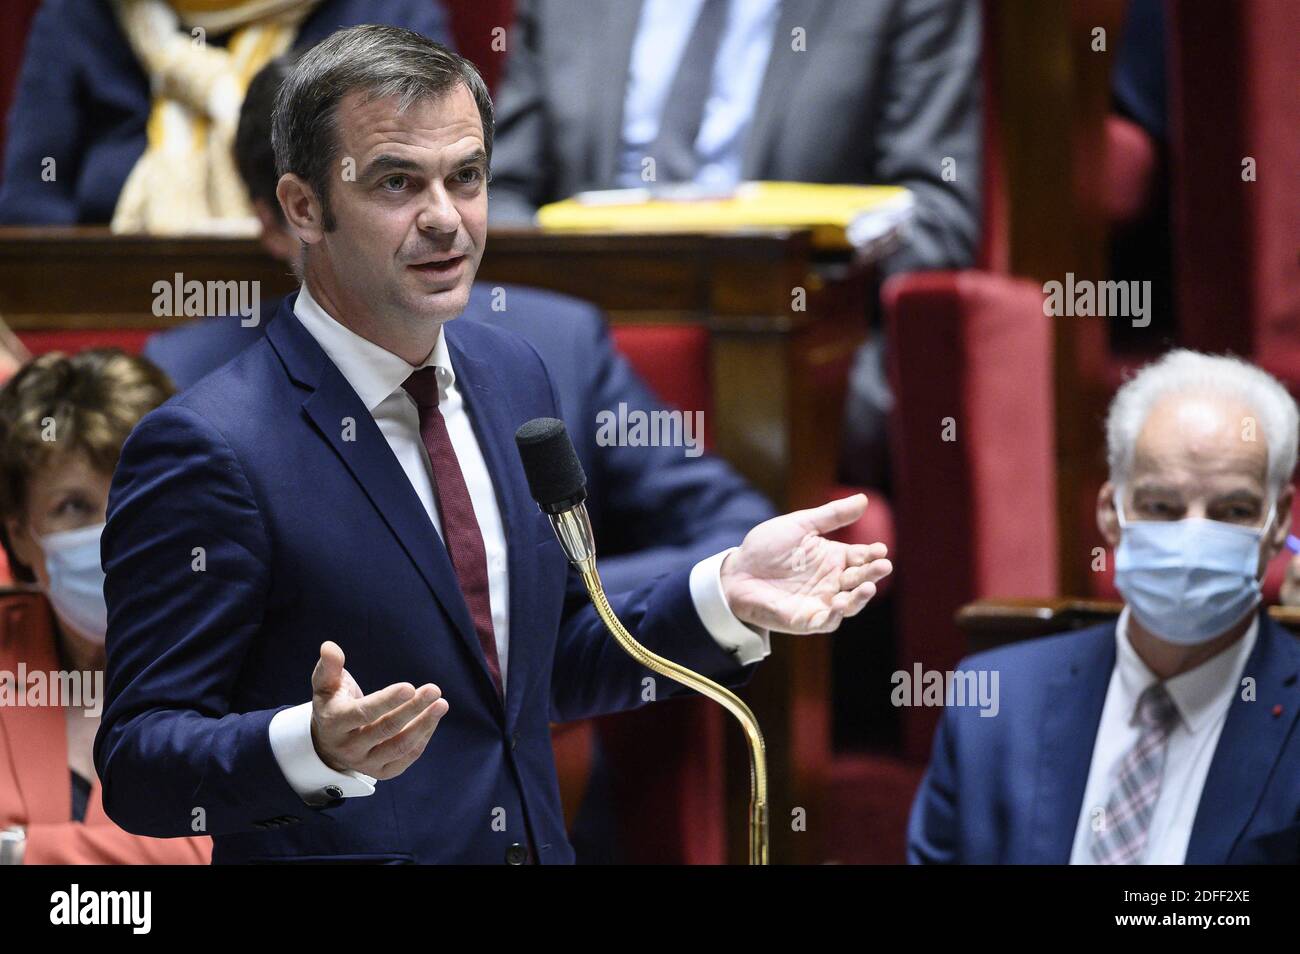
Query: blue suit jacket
x=245 y=527
x=83 y=100
x=1008 y=789
x=652 y=508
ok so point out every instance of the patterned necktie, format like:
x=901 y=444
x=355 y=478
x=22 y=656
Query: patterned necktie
x=674 y=146
x=1137 y=785
x=460 y=531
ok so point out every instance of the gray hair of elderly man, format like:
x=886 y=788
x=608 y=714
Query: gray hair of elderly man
x=1183 y=371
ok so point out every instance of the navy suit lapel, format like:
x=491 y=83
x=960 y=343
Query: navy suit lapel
x=1249 y=746
x=491 y=413
x=330 y=404
x=1071 y=714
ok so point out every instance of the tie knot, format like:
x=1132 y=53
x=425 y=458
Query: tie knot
x=1155 y=708
x=422 y=385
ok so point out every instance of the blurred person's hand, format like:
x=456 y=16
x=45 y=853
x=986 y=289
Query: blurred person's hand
x=1290 y=594
x=13 y=353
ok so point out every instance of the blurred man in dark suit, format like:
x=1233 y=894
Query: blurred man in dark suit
x=719 y=91
x=713 y=92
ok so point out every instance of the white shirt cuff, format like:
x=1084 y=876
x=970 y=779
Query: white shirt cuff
x=747 y=643
x=313 y=780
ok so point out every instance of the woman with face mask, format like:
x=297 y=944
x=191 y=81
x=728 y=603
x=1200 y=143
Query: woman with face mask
x=63 y=421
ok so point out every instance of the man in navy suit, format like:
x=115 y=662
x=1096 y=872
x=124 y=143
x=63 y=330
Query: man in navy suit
x=653 y=509
x=351 y=480
x=1169 y=736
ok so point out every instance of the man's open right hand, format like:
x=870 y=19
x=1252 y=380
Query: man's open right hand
x=379 y=735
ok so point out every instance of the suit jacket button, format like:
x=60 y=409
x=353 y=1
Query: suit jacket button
x=514 y=741
x=516 y=854
x=333 y=791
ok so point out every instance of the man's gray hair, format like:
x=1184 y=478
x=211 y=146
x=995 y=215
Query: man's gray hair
x=1191 y=372
x=378 y=61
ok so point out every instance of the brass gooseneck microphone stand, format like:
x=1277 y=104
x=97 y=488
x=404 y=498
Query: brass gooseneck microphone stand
x=559 y=486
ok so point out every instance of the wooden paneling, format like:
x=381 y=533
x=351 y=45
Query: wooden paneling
x=996 y=622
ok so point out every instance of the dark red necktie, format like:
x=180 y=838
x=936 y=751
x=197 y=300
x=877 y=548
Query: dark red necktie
x=460 y=531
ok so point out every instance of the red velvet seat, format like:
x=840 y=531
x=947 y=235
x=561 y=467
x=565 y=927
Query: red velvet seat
x=974 y=458
x=973 y=515
x=72 y=340
x=1233 y=70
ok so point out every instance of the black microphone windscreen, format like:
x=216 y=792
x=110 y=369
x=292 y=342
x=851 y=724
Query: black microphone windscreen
x=555 y=475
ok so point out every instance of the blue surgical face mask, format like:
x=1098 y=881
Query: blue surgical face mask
x=76 y=580
x=1187 y=581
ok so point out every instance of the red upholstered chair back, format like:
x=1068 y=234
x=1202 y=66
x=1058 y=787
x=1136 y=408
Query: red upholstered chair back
x=674 y=361
x=479 y=28
x=973 y=433
x=72 y=340
x=974 y=466
x=1233 y=78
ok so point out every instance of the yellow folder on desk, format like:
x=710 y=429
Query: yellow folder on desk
x=840 y=216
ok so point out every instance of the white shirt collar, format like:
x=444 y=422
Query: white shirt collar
x=374 y=372
x=1201 y=693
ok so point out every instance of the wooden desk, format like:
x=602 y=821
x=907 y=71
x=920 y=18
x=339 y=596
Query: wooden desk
x=778 y=381
x=995 y=622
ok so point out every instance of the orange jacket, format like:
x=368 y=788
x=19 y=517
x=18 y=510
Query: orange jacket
x=35 y=781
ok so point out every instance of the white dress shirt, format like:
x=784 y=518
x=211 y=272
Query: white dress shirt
x=376 y=375
x=662 y=34
x=1202 y=697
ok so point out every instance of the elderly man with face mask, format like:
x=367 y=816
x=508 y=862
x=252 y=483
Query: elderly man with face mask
x=1167 y=737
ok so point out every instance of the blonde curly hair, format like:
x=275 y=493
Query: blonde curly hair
x=89 y=402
